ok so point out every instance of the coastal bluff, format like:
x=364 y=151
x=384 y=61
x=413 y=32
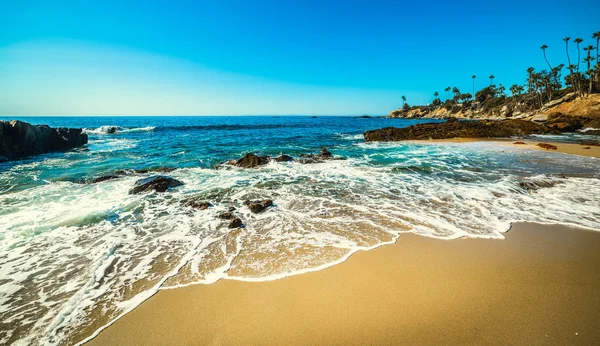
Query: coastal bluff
x=20 y=139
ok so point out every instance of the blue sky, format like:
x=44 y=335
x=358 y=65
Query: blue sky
x=269 y=57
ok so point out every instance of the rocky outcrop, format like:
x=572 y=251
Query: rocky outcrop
x=158 y=183
x=283 y=158
x=460 y=129
x=19 y=139
x=322 y=156
x=234 y=221
x=571 y=123
x=547 y=146
x=250 y=160
x=258 y=206
x=196 y=204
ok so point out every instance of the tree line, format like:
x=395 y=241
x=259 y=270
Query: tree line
x=540 y=85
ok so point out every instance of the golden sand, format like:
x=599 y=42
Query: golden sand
x=540 y=285
x=567 y=148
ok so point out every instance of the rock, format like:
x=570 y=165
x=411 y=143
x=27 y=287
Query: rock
x=158 y=183
x=566 y=127
x=231 y=208
x=534 y=185
x=462 y=129
x=519 y=142
x=201 y=205
x=452 y=120
x=258 y=206
x=111 y=129
x=540 y=118
x=250 y=160
x=104 y=178
x=19 y=139
x=325 y=153
x=158 y=170
x=547 y=146
x=587 y=148
x=322 y=156
x=235 y=223
x=283 y=158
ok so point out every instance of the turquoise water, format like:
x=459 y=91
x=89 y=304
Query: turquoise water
x=72 y=253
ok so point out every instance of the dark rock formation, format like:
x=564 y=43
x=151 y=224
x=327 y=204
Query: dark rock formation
x=235 y=223
x=104 y=178
x=158 y=183
x=19 y=139
x=322 y=156
x=536 y=184
x=196 y=204
x=158 y=170
x=258 y=206
x=283 y=158
x=570 y=123
x=459 y=129
x=519 y=142
x=250 y=160
x=547 y=146
x=111 y=129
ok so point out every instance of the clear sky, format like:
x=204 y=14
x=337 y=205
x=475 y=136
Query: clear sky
x=144 y=57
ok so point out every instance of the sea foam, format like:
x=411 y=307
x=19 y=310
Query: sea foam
x=74 y=250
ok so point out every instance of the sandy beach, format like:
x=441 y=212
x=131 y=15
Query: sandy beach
x=566 y=148
x=537 y=286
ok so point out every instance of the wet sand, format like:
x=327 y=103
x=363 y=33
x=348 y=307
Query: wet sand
x=567 y=148
x=540 y=285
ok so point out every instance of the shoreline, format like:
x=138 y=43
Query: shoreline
x=417 y=281
x=561 y=147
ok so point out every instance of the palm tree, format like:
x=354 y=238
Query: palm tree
x=491 y=77
x=403 y=100
x=578 y=40
x=436 y=94
x=473 y=77
x=447 y=90
x=589 y=60
x=544 y=47
x=530 y=79
x=566 y=39
x=596 y=35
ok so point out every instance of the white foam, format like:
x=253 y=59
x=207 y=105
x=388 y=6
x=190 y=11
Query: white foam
x=110 y=129
x=87 y=244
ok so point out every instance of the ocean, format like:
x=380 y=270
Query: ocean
x=75 y=257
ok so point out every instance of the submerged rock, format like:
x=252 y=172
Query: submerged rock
x=235 y=223
x=459 y=129
x=158 y=183
x=104 y=178
x=201 y=205
x=258 y=206
x=19 y=139
x=519 y=142
x=322 y=156
x=547 y=146
x=250 y=160
x=283 y=158
x=534 y=185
